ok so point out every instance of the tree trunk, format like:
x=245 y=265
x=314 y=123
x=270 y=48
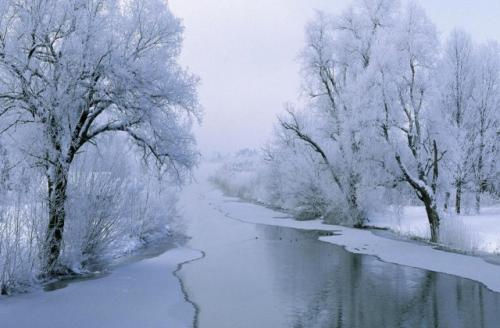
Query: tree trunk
x=57 y=185
x=354 y=212
x=426 y=196
x=458 y=197
x=480 y=167
x=357 y=215
x=447 y=201
x=433 y=217
x=478 y=201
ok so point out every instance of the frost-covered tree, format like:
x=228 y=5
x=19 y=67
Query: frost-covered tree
x=410 y=124
x=73 y=71
x=457 y=82
x=486 y=122
x=469 y=80
x=337 y=54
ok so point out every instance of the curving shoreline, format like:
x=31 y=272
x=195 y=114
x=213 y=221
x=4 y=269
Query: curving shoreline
x=401 y=252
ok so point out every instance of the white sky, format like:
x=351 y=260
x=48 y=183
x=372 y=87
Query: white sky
x=245 y=52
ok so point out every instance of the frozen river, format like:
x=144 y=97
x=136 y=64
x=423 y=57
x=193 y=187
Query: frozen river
x=280 y=277
x=256 y=276
x=264 y=276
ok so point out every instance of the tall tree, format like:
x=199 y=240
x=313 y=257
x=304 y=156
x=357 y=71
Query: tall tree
x=72 y=71
x=458 y=84
x=405 y=70
x=486 y=121
x=337 y=54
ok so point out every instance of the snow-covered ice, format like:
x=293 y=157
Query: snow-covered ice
x=142 y=294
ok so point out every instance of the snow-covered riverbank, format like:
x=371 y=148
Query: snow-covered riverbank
x=365 y=242
x=470 y=233
x=142 y=294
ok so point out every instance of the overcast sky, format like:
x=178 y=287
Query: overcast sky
x=245 y=52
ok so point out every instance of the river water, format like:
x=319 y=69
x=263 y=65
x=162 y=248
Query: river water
x=262 y=276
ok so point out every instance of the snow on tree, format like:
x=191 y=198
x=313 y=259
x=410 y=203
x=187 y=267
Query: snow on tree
x=457 y=85
x=74 y=71
x=469 y=80
x=404 y=71
x=337 y=54
x=486 y=122
x=388 y=106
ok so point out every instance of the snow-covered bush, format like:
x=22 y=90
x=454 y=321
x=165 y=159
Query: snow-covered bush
x=23 y=216
x=239 y=175
x=282 y=179
x=456 y=234
x=95 y=204
x=114 y=206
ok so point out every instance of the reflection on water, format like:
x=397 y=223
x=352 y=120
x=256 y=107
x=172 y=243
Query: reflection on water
x=330 y=287
x=281 y=277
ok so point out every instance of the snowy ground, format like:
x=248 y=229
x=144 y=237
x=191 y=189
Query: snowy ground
x=142 y=294
x=469 y=233
x=365 y=242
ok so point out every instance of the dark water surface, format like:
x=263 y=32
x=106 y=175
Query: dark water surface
x=262 y=276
